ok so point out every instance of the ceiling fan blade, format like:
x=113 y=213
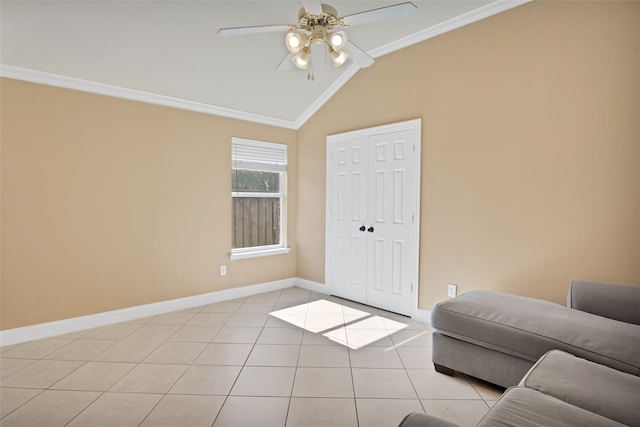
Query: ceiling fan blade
x=359 y=56
x=313 y=7
x=286 y=63
x=381 y=14
x=258 y=29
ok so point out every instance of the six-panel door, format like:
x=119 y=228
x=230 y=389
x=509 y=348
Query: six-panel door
x=372 y=230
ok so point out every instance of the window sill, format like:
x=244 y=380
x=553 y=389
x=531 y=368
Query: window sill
x=259 y=253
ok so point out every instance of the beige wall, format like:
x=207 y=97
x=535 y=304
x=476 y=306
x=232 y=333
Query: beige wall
x=108 y=203
x=530 y=177
x=530 y=149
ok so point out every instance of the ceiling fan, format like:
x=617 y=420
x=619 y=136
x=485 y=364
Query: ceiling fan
x=319 y=23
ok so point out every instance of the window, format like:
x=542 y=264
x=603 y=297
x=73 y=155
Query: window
x=258 y=190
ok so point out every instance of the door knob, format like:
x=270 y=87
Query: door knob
x=362 y=228
x=370 y=229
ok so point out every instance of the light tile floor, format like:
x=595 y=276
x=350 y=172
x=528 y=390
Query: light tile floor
x=284 y=358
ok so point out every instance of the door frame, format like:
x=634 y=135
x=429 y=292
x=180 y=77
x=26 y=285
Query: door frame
x=415 y=126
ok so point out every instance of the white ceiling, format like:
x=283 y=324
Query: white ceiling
x=168 y=52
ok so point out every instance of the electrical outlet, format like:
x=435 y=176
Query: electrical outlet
x=223 y=270
x=452 y=290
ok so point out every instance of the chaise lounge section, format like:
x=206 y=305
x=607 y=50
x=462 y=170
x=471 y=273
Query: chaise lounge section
x=498 y=337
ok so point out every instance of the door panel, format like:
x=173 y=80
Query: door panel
x=347 y=210
x=378 y=264
x=392 y=198
x=397 y=258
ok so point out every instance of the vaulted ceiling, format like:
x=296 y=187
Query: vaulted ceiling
x=169 y=52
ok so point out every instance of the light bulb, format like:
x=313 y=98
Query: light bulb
x=338 y=58
x=294 y=41
x=338 y=40
x=301 y=60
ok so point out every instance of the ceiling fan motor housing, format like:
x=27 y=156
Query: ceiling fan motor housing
x=328 y=19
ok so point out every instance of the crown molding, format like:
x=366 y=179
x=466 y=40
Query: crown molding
x=420 y=36
x=467 y=18
x=57 y=80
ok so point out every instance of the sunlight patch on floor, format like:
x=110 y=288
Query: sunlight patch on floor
x=344 y=325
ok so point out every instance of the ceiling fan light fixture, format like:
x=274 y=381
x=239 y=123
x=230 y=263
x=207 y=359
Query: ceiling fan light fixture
x=319 y=23
x=338 y=58
x=302 y=58
x=338 y=40
x=295 y=41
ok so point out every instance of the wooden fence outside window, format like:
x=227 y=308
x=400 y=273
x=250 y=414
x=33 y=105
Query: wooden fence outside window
x=256 y=221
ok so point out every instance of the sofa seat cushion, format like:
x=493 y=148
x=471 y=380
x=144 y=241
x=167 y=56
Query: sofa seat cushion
x=596 y=388
x=524 y=407
x=528 y=328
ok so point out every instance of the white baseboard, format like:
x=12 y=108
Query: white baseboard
x=423 y=316
x=312 y=286
x=75 y=324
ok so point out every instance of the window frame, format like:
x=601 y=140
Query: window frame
x=265 y=250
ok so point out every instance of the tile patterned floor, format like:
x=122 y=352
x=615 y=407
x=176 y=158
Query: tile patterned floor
x=284 y=358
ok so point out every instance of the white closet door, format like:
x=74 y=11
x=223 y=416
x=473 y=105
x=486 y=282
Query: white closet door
x=392 y=178
x=348 y=191
x=372 y=233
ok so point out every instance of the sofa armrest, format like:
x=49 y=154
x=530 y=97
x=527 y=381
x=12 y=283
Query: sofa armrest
x=617 y=302
x=420 y=419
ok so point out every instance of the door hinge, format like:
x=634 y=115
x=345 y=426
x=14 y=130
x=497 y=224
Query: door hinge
x=412 y=287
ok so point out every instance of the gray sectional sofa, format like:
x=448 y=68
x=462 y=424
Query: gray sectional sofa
x=564 y=366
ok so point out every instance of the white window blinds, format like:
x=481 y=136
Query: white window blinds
x=258 y=155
